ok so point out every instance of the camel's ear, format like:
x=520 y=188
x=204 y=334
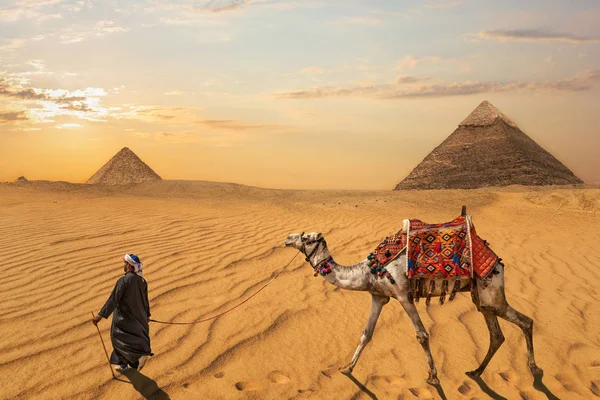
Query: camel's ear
x=319 y=236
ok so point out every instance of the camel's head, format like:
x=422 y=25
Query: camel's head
x=303 y=240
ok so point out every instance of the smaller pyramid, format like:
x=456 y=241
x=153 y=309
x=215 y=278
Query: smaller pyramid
x=21 y=179
x=123 y=169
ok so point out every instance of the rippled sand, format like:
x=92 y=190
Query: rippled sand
x=206 y=246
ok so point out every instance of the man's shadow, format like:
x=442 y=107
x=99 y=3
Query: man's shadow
x=145 y=386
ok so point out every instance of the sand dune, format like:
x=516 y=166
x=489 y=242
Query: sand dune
x=205 y=246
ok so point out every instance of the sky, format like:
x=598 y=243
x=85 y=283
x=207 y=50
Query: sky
x=303 y=94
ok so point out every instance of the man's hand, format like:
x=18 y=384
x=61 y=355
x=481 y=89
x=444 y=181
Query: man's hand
x=96 y=319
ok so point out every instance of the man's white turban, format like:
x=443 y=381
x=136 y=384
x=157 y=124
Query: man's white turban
x=135 y=262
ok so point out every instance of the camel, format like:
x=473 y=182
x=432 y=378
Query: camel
x=490 y=300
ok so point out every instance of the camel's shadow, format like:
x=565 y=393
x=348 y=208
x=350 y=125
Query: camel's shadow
x=373 y=396
x=362 y=387
x=538 y=384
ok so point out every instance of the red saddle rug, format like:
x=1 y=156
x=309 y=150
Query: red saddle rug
x=444 y=251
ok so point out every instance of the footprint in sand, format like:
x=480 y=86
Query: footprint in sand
x=596 y=363
x=567 y=382
x=466 y=389
x=219 y=375
x=595 y=388
x=509 y=376
x=527 y=396
x=329 y=372
x=247 y=386
x=388 y=382
x=279 y=377
x=421 y=393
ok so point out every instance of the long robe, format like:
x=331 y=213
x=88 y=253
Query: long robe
x=129 y=333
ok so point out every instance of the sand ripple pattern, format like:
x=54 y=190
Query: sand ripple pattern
x=206 y=246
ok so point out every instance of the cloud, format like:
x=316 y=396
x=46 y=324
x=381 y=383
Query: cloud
x=152 y=113
x=218 y=6
x=28 y=93
x=68 y=126
x=39 y=69
x=46 y=104
x=227 y=5
x=235 y=125
x=174 y=93
x=79 y=34
x=535 y=35
x=11 y=44
x=187 y=13
x=410 y=62
x=447 y=4
x=325 y=92
x=360 y=21
x=30 y=9
x=61 y=96
x=12 y=116
x=586 y=80
x=410 y=79
x=313 y=70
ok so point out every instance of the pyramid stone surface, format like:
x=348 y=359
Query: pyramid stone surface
x=487 y=149
x=124 y=168
x=21 y=179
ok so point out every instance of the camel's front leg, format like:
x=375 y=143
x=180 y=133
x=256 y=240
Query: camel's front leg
x=496 y=340
x=377 y=304
x=422 y=337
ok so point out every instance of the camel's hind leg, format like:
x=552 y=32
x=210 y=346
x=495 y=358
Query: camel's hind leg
x=496 y=340
x=377 y=303
x=422 y=337
x=526 y=325
x=493 y=299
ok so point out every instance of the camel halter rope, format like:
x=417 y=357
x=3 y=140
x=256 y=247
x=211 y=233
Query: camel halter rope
x=232 y=308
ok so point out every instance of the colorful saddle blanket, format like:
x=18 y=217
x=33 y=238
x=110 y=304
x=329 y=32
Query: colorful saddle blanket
x=443 y=250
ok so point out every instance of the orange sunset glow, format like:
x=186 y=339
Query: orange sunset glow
x=353 y=99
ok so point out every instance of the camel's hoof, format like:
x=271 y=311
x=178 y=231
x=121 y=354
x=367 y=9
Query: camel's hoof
x=433 y=381
x=346 y=370
x=473 y=374
x=537 y=372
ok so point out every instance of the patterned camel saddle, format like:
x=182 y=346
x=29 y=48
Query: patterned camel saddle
x=437 y=251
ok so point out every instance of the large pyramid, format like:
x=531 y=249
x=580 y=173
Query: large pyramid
x=124 y=168
x=487 y=149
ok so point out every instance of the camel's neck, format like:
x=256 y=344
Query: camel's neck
x=352 y=277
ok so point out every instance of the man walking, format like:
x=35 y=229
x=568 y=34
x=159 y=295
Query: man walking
x=128 y=302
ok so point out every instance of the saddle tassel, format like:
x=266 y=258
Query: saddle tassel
x=443 y=292
x=431 y=290
x=455 y=289
x=418 y=290
x=411 y=288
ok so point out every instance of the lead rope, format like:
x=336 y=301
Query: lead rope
x=232 y=308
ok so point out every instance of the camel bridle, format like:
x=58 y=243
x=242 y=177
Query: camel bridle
x=313 y=251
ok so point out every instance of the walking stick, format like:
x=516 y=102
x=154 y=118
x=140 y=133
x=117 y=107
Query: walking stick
x=105 y=352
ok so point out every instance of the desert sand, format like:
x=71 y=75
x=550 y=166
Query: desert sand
x=206 y=246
